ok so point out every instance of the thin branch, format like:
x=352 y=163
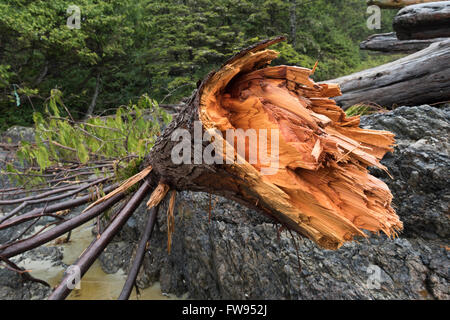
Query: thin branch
x=74 y=150
x=125 y=185
x=97 y=246
x=38 y=198
x=13 y=213
x=59 y=230
x=53 y=208
x=8 y=146
x=24 y=231
x=140 y=252
x=16 y=241
x=86 y=124
x=22 y=190
x=54 y=180
x=46 y=200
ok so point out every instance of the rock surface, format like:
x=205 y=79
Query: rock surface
x=16 y=134
x=14 y=287
x=420 y=167
x=231 y=252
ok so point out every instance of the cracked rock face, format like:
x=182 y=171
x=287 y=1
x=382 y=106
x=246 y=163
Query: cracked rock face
x=14 y=287
x=231 y=252
x=16 y=134
x=420 y=167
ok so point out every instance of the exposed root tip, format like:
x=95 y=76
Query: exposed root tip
x=158 y=195
x=123 y=187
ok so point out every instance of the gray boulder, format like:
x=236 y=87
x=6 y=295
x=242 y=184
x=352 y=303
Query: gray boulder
x=420 y=167
x=232 y=252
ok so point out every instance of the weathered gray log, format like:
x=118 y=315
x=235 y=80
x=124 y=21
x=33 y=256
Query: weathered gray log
x=389 y=43
x=395 y=4
x=423 y=21
x=420 y=78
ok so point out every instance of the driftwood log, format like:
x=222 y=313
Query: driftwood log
x=389 y=43
x=423 y=21
x=396 y=4
x=420 y=78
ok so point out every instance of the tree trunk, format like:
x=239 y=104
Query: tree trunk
x=389 y=43
x=423 y=21
x=420 y=78
x=91 y=108
x=320 y=186
x=395 y=4
x=293 y=21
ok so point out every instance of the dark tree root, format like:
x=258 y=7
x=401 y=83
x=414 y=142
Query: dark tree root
x=139 y=257
x=41 y=197
x=97 y=246
x=9 y=221
x=25 y=245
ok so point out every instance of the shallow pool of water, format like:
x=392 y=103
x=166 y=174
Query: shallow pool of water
x=95 y=284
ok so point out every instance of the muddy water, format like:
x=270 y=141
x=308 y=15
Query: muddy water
x=95 y=284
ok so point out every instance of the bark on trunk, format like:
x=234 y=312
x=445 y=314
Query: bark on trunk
x=320 y=188
x=420 y=78
x=389 y=43
x=423 y=21
x=395 y=4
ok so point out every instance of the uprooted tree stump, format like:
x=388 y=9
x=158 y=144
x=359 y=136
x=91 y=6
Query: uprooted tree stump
x=316 y=184
x=322 y=188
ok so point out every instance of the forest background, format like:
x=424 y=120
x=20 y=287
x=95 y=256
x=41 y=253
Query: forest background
x=124 y=49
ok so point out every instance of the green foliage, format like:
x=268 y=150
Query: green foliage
x=162 y=47
x=363 y=109
x=123 y=138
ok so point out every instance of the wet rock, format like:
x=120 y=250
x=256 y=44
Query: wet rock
x=233 y=252
x=18 y=133
x=13 y=287
x=51 y=254
x=235 y=256
x=116 y=256
x=419 y=166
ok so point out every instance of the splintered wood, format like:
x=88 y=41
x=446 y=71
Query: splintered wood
x=123 y=187
x=322 y=182
x=158 y=195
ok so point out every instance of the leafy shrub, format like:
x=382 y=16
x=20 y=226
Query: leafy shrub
x=122 y=139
